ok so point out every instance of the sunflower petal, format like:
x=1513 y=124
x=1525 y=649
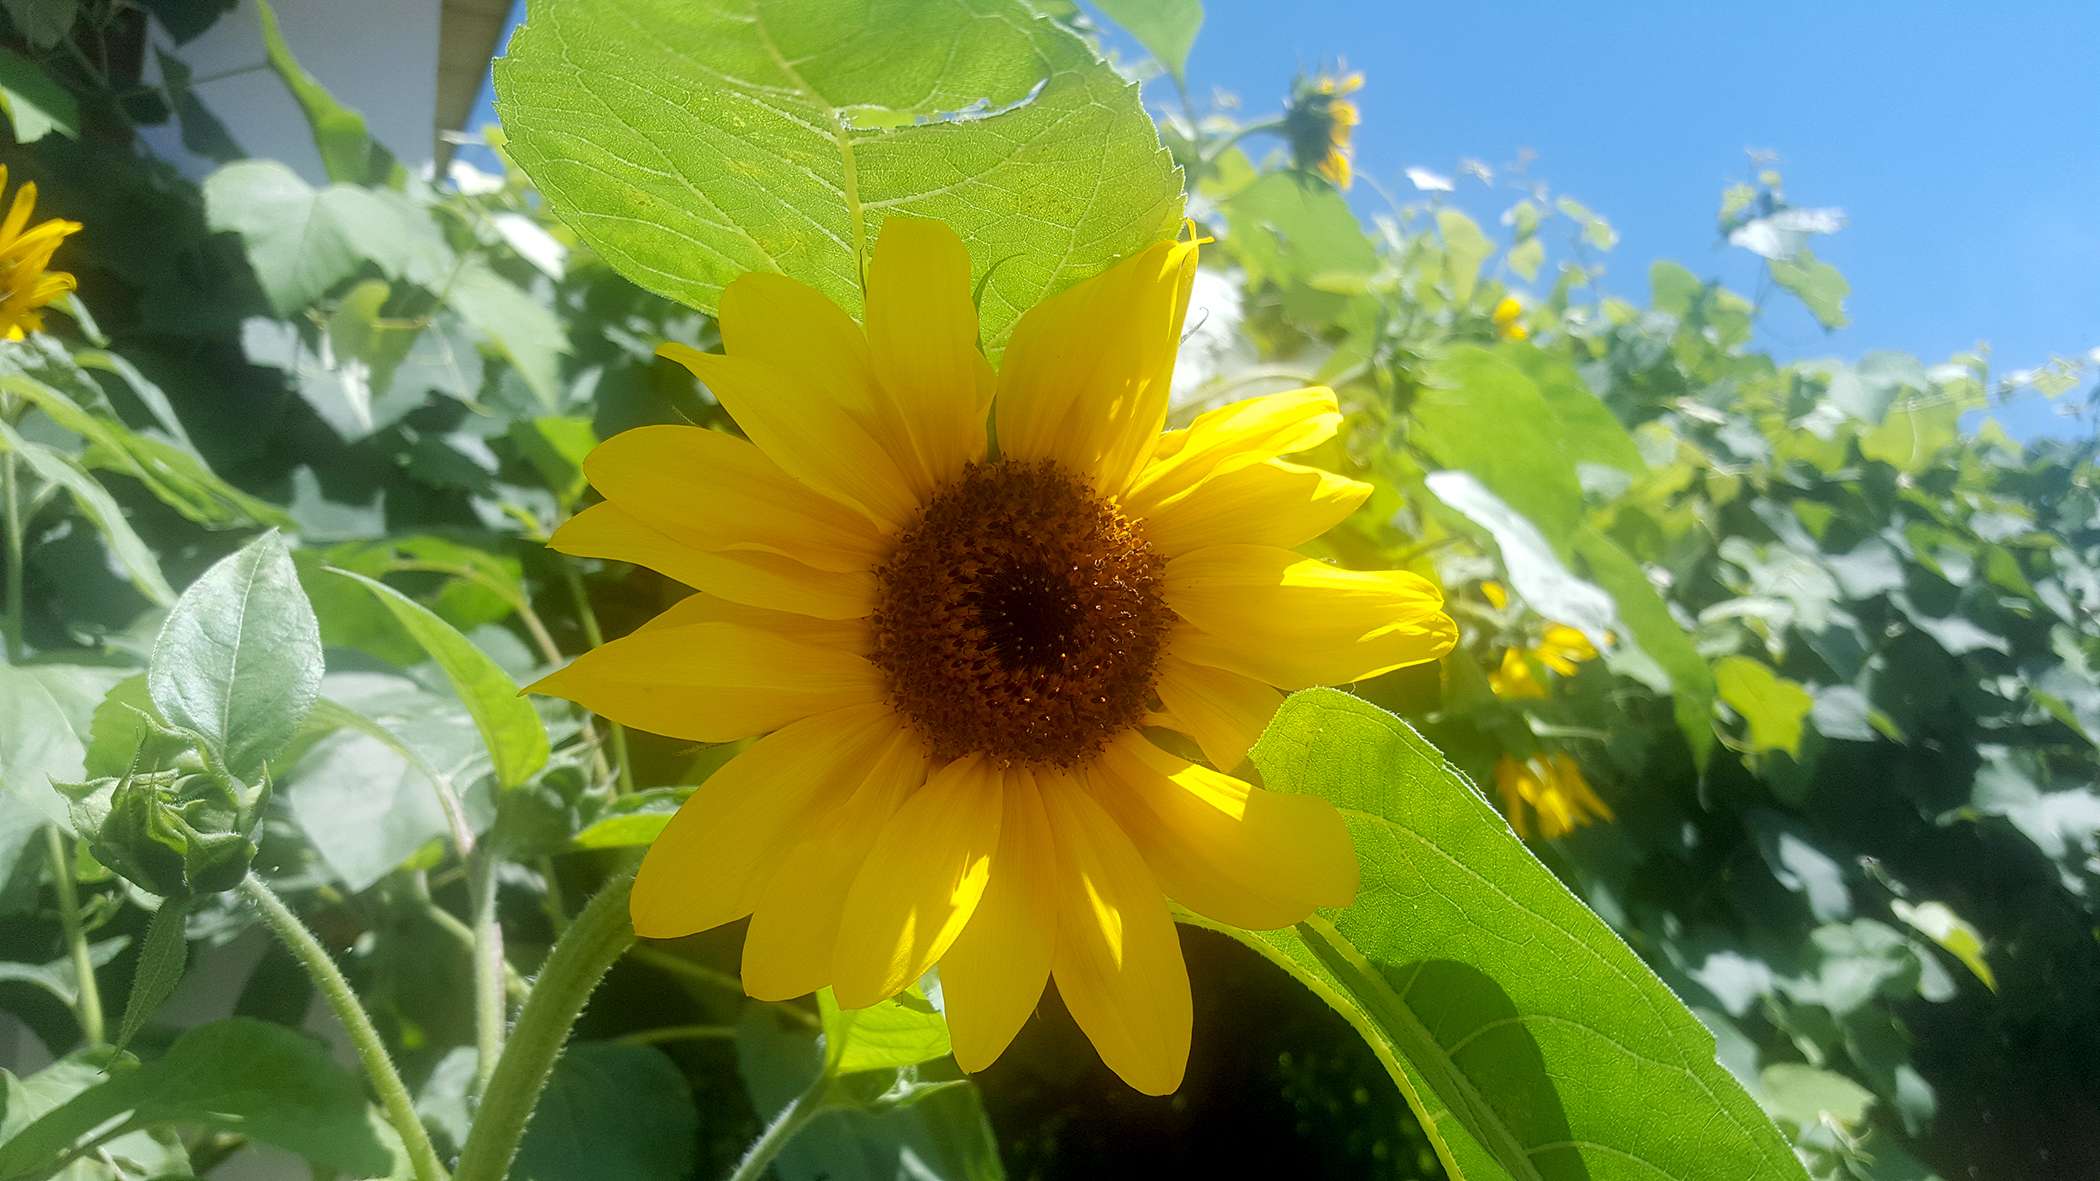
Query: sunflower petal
x=847 y=635
x=1234 y=436
x=994 y=974
x=922 y=335
x=919 y=885
x=745 y=576
x=1270 y=503
x=1223 y=711
x=1293 y=622
x=1117 y=961
x=795 y=926
x=714 y=491
x=1085 y=376
x=807 y=431
x=1226 y=850
x=713 y=682
x=706 y=868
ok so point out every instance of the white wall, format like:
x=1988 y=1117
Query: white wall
x=377 y=56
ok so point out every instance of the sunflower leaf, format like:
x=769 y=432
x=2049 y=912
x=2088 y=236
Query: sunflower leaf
x=689 y=144
x=1531 y=1041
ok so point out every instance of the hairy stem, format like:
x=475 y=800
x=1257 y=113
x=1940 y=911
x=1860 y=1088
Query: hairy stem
x=371 y=1052
x=87 y=1004
x=491 y=1008
x=799 y=1111
x=11 y=505
x=579 y=960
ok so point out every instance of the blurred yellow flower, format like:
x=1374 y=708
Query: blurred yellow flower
x=1560 y=648
x=1550 y=789
x=1506 y=317
x=950 y=655
x=1318 y=123
x=26 y=285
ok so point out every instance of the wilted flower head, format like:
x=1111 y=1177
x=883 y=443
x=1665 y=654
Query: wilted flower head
x=1551 y=789
x=1318 y=122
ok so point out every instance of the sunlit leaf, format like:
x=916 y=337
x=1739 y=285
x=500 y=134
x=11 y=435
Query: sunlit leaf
x=688 y=144
x=1531 y=1040
x=1772 y=706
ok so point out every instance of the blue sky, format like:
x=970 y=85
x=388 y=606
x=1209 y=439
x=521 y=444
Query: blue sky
x=1963 y=141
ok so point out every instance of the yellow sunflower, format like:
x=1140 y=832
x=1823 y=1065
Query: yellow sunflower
x=1319 y=122
x=1550 y=787
x=1560 y=648
x=25 y=253
x=1507 y=318
x=956 y=654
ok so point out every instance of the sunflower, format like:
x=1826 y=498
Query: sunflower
x=970 y=668
x=1550 y=787
x=1507 y=318
x=1318 y=122
x=1561 y=648
x=25 y=252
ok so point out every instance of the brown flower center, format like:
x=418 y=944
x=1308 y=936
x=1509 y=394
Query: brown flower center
x=1020 y=616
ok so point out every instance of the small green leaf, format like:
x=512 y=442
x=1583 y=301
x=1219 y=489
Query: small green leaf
x=1166 y=28
x=33 y=103
x=1805 y=1096
x=161 y=960
x=1817 y=283
x=1526 y=257
x=1465 y=248
x=1955 y=935
x=1772 y=706
x=1532 y=1041
x=524 y=329
x=902 y=1031
x=509 y=726
x=1651 y=628
x=632 y=821
x=689 y=144
x=43 y=23
x=239 y=659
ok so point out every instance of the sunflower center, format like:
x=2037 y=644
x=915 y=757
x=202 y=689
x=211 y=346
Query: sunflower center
x=1020 y=616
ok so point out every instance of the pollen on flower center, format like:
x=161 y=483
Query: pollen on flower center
x=1020 y=616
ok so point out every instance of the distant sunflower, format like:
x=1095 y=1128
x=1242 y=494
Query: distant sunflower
x=1508 y=319
x=1547 y=796
x=26 y=283
x=1319 y=121
x=1560 y=648
x=955 y=655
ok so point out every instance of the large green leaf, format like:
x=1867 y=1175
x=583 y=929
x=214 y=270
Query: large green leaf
x=34 y=103
x=239 y=658
x=302 y=241
x=690 y=143
x=611 y=1110
x=153 y=1152
x=252 y=1078
x=511 y=728
x=1650 y=626
x=1532 y=1041
x=44 y=721
x=1478 y=412
x=1541 y=579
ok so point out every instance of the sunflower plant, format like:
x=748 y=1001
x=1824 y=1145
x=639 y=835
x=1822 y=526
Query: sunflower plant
x=865 y=589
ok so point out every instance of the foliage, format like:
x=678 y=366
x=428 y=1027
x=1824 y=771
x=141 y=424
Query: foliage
x=1846 y=711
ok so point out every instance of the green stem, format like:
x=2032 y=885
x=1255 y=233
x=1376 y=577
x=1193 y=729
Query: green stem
x=88 y=1004
x=490 y=1007
x=513 y=984
x=792 y=1118
x=592 y=635
x=679 y=1033
x=579 y=960
x=11 y=504
x=371 y=1052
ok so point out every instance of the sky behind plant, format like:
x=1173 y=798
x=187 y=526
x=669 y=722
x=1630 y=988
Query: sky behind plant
x=1962 y=141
